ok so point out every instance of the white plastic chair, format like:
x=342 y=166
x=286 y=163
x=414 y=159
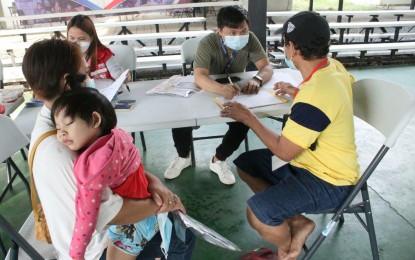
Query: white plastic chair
x=187 y=52
x=388 y=108
x=12 y=140
x=126 y=58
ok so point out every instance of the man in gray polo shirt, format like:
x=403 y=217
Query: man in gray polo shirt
x=229 y=50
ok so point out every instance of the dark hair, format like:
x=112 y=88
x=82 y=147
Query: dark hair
x=232 y=16
x=82 y=103
x=85 y=24
x=318 y=48
x=46 y=62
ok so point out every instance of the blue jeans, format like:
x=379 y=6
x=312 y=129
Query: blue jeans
x=178 y=250
x=293 y=190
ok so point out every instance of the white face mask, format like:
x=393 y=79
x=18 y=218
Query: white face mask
x=90 y=83
x=236 y=42
x=84 y=46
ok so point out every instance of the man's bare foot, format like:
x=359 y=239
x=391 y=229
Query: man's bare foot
x=282 y=253
x=301 y=227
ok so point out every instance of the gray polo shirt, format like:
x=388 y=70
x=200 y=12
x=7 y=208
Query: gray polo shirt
x=210 y=54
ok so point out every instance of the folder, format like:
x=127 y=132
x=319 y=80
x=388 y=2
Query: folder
x=182 y=222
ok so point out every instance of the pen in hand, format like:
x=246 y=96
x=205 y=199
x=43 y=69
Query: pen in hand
x=231 y=84
x=128 y=88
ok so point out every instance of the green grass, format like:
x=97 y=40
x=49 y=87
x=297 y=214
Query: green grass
x=333 y=5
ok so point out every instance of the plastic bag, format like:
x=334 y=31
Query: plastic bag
x=11 y=95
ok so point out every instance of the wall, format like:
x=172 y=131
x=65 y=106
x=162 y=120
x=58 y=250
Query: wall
x=395 y=2
x=280 y=5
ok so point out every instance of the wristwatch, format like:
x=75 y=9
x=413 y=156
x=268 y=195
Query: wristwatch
x=257 y=77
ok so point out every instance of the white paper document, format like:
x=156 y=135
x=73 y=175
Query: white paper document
x=176 y=85
x=182 y=222
x=263 y=98
x=277 y=163
x=293 y=78
x=109 y=88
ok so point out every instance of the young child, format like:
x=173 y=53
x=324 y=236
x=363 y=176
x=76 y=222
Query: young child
x=85 y=121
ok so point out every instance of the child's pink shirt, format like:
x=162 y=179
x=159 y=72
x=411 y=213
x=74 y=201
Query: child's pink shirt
x=113 y=161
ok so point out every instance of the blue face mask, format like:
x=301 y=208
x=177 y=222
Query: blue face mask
x=289 y=63
x=236 y=42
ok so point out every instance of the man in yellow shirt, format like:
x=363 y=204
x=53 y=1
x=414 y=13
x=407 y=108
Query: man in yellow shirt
x=317 y=141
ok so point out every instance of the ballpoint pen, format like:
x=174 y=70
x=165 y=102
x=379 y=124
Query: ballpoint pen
x=230 y=81
x=128 y=88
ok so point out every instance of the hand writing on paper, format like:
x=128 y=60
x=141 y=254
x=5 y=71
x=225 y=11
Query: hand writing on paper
x=284 y=88
x=230 y=90
x=236 y=111
x=251 y=87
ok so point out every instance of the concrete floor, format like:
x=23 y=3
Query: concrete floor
x=223 y=207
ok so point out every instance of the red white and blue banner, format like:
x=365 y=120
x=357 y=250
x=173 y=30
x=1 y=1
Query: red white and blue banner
x=33 y=7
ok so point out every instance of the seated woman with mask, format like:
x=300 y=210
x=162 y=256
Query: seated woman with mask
x=100 y=59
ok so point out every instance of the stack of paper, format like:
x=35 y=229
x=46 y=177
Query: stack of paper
x=109 y=88
x=177 y=86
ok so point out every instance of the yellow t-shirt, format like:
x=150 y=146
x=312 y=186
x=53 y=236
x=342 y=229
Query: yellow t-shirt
x=321 y=122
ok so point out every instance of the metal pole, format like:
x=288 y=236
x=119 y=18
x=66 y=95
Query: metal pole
x=310 y=8
x=339 y=17
x=257 y=13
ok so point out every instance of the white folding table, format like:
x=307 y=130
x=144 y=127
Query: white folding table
x=155 y=112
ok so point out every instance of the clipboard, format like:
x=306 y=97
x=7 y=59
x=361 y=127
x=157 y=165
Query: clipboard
x=265 y=97
x=182 y=222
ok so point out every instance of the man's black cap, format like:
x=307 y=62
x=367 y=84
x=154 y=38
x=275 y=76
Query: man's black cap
x=304 y=28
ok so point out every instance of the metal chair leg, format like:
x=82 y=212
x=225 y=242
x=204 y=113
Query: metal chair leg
x=3 y=250
x=9 y=175
x=192 y=152
x=22 y=177
x=369 y=223
x=23 y=154
x=246 y=144
x=18 y=240
x=143 y=141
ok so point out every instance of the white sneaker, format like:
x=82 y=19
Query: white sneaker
x=222 y=170
x=176 y=167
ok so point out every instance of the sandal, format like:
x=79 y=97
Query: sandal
x=260 y=253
